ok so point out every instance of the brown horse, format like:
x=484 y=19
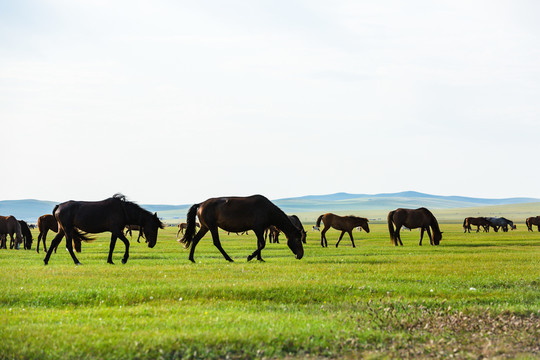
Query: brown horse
x=344 y=223
x=476 y=221
x=535 y=220
x=9 y=226
x=272 y=233
x=412 y=219
x=183 y=226
x=45 y=223
x=130 y=228
x=112 y=214
x=237 y=214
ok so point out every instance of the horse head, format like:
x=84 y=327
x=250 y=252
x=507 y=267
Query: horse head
x=365 y=226
x=150 y=227
x=294 y=241
x=437 y=237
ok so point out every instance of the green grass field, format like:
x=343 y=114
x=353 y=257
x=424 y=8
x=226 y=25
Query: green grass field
x=475 y=295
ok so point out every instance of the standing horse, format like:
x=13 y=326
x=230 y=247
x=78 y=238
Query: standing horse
x=183 y=226
x=9 y=226
x=130 y=228
x=344 y=223
x=501 y=222
x=112 y=214
x=237 y=214
x=412 y=219
x=27 y=235
x=476 y=221
x=45 y=223
x=535 y=220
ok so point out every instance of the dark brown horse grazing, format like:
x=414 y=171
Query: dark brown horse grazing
x=344 y=223
x=45 y=223
x=9 y=226
x=112 y=214
x=237 y=214
x=412 y=219
x=476 y=221
x=296 y=222
x=27 y=235
x=534 y=220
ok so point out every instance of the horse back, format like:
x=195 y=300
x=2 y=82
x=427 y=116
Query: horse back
x=237 y=214
x=92 y=216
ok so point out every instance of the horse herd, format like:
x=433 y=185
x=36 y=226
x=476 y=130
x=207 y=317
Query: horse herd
x=74 y=220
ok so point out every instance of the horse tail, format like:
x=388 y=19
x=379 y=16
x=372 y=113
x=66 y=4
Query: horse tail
x=78 y=237
x=391 y=227
x=189 y=233
x=319 y=220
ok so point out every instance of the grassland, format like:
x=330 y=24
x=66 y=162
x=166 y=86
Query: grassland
x=475 y=295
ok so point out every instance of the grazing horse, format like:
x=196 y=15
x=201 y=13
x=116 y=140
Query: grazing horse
x=27 y=235
x=237 y=214
x=9 y=226
x=112 y=214
x=412 y=219
x=183 y=226
x=45 y=223
x=476 y=221
x=130 y=228
x=296 y=222
x=502 y=223
x=344 y=223
x=535 y=220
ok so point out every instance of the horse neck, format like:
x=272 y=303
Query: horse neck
x=133 y=214
x=435 y=224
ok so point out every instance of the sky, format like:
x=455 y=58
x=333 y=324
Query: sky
x=174 y=102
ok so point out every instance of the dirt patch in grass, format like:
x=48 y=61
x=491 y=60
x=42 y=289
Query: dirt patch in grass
x=446 y=333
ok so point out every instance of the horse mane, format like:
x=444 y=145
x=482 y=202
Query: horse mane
x=134 y=206
x=120 y=196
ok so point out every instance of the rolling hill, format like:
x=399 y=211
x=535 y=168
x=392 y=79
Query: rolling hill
x=377 y=204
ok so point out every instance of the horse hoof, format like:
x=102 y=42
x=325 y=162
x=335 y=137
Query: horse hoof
x=124 y=261
x=110 y=262
x=249 y=258
x=45 y=262
x=77 y=264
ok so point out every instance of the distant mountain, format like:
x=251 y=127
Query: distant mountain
x=30 y=210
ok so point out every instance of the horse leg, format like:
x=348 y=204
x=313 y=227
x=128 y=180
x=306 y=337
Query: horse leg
x=111 y=248
x=260 y=245
x=69 y=247
x=421 y=236
x=397 y=235
x=324 y=242
x=217 y=243
x=178 y=233
x=126 y=243
x=430 y=237
x=340 y=237
x=195 y=241
x=352 y=239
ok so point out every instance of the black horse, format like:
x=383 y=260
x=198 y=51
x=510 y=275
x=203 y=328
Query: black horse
x=296 y=222
x=418 y=218
x=27 y=235
x=237 y=214
x=112 y=214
